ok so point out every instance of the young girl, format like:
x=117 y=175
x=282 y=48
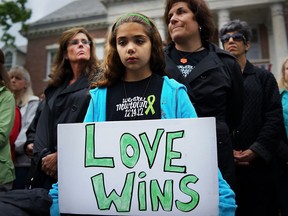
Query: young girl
x=134 y=86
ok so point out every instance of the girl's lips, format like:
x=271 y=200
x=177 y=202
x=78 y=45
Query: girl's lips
x=131 y=59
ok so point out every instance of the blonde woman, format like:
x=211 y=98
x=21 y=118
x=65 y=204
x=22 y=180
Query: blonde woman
x=28 y=103
x=283 y=87
x=283 y=149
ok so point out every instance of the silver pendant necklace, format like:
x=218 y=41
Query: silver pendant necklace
x=148 y=83
x=144 y=93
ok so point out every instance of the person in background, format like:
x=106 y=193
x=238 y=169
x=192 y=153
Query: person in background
x=282 y=153
x=134 y=68
x=15 y=131
x=27 y=102
x=257 y=138
x=30 y=133
x=66 y=101
x=7 y=112
x=211 y=75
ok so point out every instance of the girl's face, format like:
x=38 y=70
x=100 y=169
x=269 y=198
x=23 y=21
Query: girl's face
x=182 y=24
x=18 y=82
x=134 y=48
x=286 y=71
x=78 y=48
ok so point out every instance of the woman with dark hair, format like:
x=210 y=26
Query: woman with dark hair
x=257 y=137
x=7 y=112
x=66 y=101
x=211 y=75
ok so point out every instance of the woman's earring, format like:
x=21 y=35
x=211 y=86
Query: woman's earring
x=200 y=28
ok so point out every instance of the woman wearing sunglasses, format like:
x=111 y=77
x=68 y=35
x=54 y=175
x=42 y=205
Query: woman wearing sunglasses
x=211 y=75
x=257 y=137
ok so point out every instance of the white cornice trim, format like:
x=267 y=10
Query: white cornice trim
x=55 y=30
x=227 y=4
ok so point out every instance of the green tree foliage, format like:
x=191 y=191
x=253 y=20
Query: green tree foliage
x=11 y=12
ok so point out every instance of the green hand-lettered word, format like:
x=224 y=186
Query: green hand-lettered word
x=128 y=140
x=158 y=196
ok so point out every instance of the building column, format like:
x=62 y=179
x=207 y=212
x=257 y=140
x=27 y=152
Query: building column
x=280 y=38
x=161 y=28
x=223 y=18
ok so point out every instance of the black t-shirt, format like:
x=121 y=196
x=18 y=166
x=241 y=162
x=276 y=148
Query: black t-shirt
x=192 y=60
x=138 y=100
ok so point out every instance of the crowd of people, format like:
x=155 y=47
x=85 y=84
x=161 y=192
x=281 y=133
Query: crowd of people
x=191 y=77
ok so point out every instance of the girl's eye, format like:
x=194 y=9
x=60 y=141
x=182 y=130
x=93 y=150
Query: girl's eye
x=121 y=42
x=139 y=41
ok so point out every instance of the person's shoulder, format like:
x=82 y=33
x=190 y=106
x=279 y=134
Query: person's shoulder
x=168 y=47
x=97 y=90
x=262 y=72
x=220 y=52
x=5 y=92
x=266 y=77
x=6 y=97
x=227 y=58
x=33 y=98
x=283 y=91
x=2 y=88
x=172 y=82
x=93 y=91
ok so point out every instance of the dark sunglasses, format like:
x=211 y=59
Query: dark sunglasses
x=236 y=37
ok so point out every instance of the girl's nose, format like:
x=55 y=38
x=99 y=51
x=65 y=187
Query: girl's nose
x=131 y=49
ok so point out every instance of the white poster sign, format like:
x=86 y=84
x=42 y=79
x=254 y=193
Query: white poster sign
x=151 y=167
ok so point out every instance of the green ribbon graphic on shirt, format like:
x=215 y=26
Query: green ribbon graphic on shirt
x=151 y=100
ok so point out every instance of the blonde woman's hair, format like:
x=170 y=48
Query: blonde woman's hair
x=282 y=83
x=21 y=71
